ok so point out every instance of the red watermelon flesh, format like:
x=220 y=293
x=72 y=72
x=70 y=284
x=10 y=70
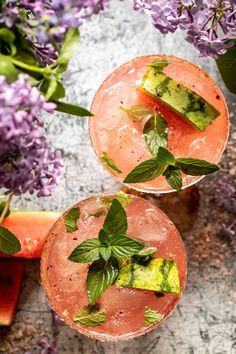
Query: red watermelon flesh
x=11 y=274
x=31 y=228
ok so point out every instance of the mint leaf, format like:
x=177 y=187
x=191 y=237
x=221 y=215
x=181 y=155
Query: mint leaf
x=195 y=167
x=90 y=315
x=138 y=112
x=159 y=65
x=9 y=243
x=105 y=252
x=123 y=246
x=87 y=251
x=146 y=171
x=165 y=157
x=105 y=158
x=156 y=133
x=145 y=254
x=98 y=213
x=71 y=109
x=173 y=177
x=101 y=274
x=116 y=219
x=71 y=220
x=103 y=238
x=123 y=198
x=151 y=316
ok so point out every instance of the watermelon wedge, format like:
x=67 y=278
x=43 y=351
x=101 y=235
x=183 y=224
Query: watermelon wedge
x=31 y=228
x=11 y=274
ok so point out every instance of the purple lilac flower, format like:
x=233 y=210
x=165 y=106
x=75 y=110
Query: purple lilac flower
x=209 y=24
x=48 y=347
x=26 y=165
x=44 y=23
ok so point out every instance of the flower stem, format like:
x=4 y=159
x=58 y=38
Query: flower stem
x=8 y=202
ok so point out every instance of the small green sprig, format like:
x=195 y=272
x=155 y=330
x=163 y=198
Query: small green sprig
x=167 y=165
x=105 y=251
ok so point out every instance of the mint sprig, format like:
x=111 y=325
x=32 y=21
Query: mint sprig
x=108 y=161
x=105 y=251
x=90 y=315
x=156 y=133
x=71 y=219
x=9 y=243
x=167 y=165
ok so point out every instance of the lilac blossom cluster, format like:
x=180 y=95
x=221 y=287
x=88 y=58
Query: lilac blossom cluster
x=26 y=165
x=45 y=22
x=209 y=24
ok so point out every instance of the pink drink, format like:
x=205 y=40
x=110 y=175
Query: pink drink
x=64 y=281
x=121 y=137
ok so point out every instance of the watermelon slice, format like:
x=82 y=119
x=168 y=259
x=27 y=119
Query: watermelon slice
x=31 y=228
x=11 y=273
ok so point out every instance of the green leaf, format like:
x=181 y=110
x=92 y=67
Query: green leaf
x=9 y=243
x=145 y=254
x=101 y=274
x=87 y=251
x=52 y=89
x=159 y=65
x=98 y=213
x=227 y=67
x=151 y=316
x=123 y=246
x=71 y=220
x=165 y=157
x=105 y=252
x=173 y=177
x=196 y=167
x=103 y=237
x=90 y=315
x=138 y=112
x=156 y=133
x=2 y=206
x=123 y=198
x=71 y=109
x=69 y=47
x=146 y=171
x=8 y=37
x=105 y=158
x=116 y=219
x=8 y=69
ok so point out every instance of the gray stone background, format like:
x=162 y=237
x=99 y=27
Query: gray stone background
x=205 y=319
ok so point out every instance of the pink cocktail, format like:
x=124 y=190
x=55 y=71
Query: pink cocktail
x=112 y=131
x=65 y=281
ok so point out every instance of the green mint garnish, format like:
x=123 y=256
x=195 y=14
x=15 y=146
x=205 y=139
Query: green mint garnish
x=98 y=213
x=90 y=315
x=196 y=167
x=166 y=164
x=121 y=196
x=116 y=220
x=156 y=133
x=111 y=245
x=146 y=171
x=9 y=243
x=105 y=158
x=159 y=65
x=71 y=220
x=87 y=251
x=173 y=177
x=100 y=276
x=145 y=254
x=138 y=112
x=151 y=316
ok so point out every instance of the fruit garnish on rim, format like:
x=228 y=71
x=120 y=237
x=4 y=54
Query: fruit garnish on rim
x=120 y=273
x=159 y=101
